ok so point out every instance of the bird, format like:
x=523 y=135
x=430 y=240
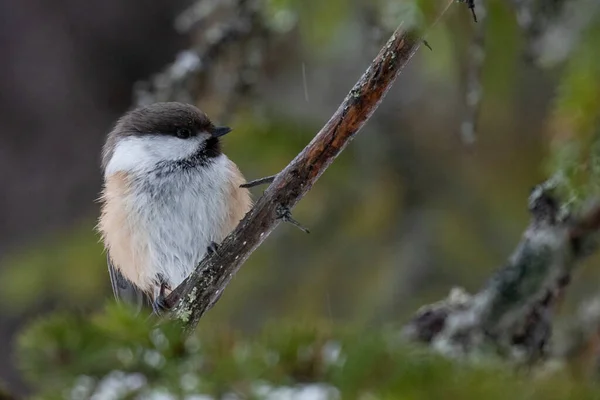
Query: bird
x=169 y=196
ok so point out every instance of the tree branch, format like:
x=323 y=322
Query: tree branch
x=513 y=312
x=199 y=292
x=188 y=77
x=474 y=87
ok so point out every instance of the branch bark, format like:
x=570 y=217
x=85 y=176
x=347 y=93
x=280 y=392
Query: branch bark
x=199 y=292
x=513 y=312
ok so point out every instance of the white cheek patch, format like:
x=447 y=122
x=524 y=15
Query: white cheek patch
x=136 y=153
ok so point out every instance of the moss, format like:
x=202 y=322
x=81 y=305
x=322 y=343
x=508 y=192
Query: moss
x=183 y=312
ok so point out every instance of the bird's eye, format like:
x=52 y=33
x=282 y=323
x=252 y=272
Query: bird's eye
x=184 y=133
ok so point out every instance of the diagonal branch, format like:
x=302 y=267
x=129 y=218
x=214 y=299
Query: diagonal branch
x=199 y=292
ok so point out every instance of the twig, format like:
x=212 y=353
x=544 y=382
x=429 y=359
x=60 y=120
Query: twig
x=259 y=181
x=202 y=288
x=284 y=214
x=474 y=90
x=471 y=5
x=186 y=78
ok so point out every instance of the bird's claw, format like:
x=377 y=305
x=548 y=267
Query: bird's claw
x=213 y=248
x=159 y=305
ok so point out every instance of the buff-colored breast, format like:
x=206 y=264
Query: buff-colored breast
x=240 y=200
x=128 y=242
x=118 y=231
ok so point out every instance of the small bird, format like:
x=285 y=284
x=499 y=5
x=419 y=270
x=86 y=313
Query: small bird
x=169 y=196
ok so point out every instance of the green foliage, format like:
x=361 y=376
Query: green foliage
x=69 y=266
x=501 y=53
x=317 y=21
x=576 y=123
x=320 y=22
x=77 y=356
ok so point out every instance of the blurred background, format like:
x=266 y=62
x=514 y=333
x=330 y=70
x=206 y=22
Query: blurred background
x=432 y=194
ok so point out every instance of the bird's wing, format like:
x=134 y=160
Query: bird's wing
x=123 y=289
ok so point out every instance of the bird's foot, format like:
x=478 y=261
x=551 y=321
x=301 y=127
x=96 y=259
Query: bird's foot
x=213 y=248
x=160 y=305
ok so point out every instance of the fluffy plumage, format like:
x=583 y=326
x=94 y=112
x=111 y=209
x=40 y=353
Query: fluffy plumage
x=167 y=195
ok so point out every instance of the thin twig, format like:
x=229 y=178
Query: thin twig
x=204 y=286
x=474 y=89
x=188 y=76
x=471 y=5
x=260 y=181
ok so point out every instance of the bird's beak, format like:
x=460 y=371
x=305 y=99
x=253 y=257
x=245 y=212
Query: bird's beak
x=220 y=131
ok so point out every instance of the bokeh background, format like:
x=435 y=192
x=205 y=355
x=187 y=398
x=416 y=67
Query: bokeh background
x=413 y=206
